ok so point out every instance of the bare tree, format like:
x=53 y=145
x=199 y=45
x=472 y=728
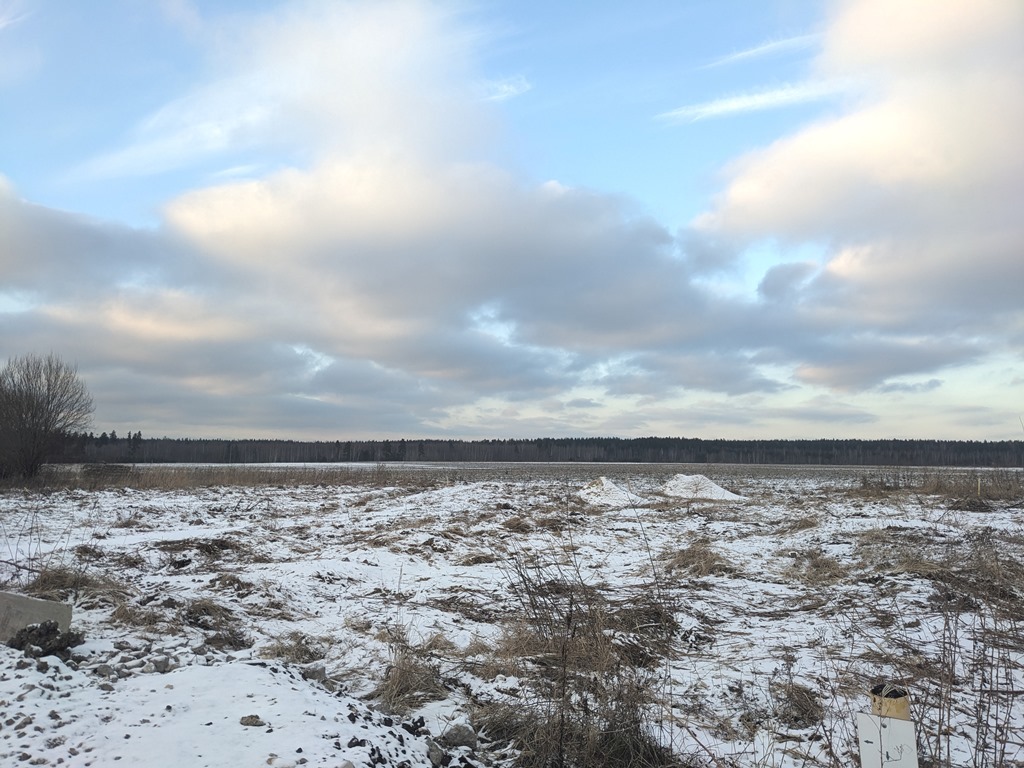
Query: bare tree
x=42 y=400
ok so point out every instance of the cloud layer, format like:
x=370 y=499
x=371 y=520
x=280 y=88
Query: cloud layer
x=395 y=281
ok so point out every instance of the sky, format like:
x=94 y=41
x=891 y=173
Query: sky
x=348 y=219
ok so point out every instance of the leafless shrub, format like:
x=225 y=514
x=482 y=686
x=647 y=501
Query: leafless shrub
x=589 y=690
x=42 y=399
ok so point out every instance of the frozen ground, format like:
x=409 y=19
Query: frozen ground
x=384 y=617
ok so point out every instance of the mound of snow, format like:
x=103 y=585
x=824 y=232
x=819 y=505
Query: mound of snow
x=698 y=487
x=604 y=493
x=233 y=713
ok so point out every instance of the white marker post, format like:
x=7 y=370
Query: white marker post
x=886 y=735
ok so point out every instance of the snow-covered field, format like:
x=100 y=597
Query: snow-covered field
x=740 y=615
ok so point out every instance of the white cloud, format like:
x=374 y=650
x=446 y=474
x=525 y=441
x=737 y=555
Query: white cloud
x=11 y=13
x=915 y=187
x=771 y=98
x=395 y=283
x=506 y=88
x=334 y=77
x=17 y=60
x=769 y=48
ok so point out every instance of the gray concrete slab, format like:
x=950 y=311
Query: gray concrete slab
x=19 y=611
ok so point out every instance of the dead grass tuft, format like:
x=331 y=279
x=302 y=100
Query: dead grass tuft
x=797 y=706
x=518 y=524
x=478 y=558
x=411 y=677
x=136 y=616
x=133 y=520
x=230 y=582
x=296 y=648
x=88 y=552
x=64 y=583
x=806 y=522
x=816 y=569
x=130 y=560
x=229 y=639
x=206 y=614
x=555 y=523
x=699 y=559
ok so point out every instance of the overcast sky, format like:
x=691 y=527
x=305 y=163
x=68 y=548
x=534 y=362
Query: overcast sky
x=335 y=219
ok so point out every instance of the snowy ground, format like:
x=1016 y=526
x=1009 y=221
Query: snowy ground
x=288 y=624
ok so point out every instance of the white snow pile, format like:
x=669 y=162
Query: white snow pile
x=604 y=493
x=698 y=487
x=218 y=713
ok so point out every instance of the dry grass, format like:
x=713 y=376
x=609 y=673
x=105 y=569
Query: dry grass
x=979 y=567
x=478 y=558
x=586 y=667
x=88 y=552
x=803 y=523
x=136 y=616
x=797 y=706
x=296 y=648
x=206 y=614
x=699 y=559
x=518 y=524
x=970 y=489
x=411 y=677
x=210 y=549
x=184 y=477
x=64 y=584
x=129 y=560
x=230 y=582
x=816 y=569
x=965 y=486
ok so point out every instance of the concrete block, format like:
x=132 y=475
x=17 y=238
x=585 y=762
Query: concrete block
x=19 y=611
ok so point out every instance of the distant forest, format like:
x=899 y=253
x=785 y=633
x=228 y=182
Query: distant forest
x=952 y=453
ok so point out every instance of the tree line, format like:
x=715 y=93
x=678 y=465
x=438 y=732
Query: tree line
x=45 y=409
x=954 y=453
